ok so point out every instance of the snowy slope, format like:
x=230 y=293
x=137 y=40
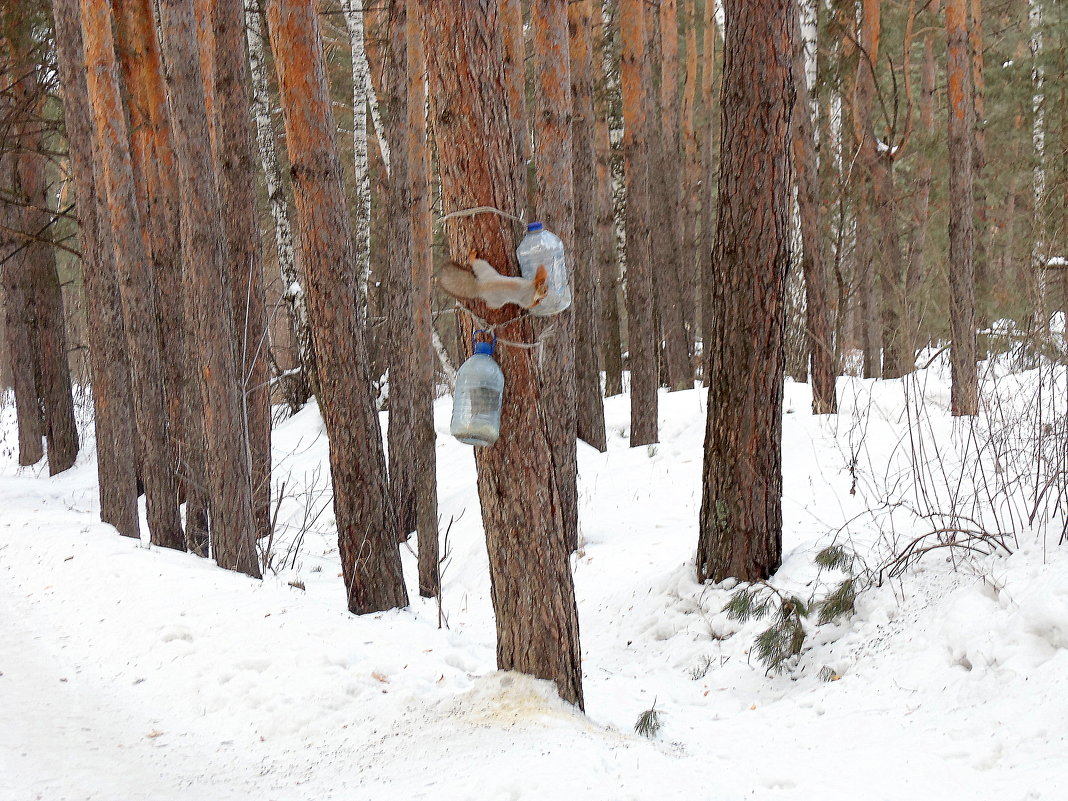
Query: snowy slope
x=129 y=672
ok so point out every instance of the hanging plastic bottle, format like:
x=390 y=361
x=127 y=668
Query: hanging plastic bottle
x=476 y=404
x=542 y=246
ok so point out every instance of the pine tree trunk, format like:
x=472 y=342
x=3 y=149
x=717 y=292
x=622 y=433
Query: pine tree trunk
x=555 y=204
x=964 y=390
x=583 y=257
x=39 y=261
x=157 y=190
x=741 y=509
x=708 y=137
x=817 y=319
x=691 y=184
x=19 y=320
x=370 y=557
x=516 y=72
x=423 y=354
x=917 y=238
x=208 y=284
x=109 y=364
x=983 y=277
x=292 y=292
x=664 y=143
x=136 y=278
x=532 y=590
x=607 y=264
x=642 y=338
x=236 y=175
x=391 y=28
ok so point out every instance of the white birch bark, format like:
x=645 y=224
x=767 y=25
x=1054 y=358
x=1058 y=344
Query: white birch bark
x=1038 y=139
x=363 y=97
x=283 y=232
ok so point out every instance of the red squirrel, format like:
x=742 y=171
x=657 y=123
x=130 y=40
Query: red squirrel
x=484 y=283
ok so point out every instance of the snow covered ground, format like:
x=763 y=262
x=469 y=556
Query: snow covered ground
x=129 y=672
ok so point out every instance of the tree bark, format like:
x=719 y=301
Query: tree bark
x=235 y=162
x=817 y=319
x=531 y=584
x=370 y=557
x=555 y=204
x=664 y=142
x=39 y=261
x=709 y=190
x=584 y=254
x=964 y=390
x=208 y=285
x=292 y=291
x=392 y=29
x=642 y=338
x=917 y=238
x=423 y=354
x=19 y=308
x=136 y=279
x=741 y=505
x=607 y=253
x=109 y=364
x=982 y=235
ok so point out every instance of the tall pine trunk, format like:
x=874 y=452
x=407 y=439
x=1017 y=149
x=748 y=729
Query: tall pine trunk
x=423 y=354
x=555 y=204
x=583 y=261
x=370 y=556
x=235 y=161
x=532 y=589
x=208 y=286
x=642 y=338
x=136 y=278
x=741 y=504
x=39 y=261
x=964 y=399
x=109 y=364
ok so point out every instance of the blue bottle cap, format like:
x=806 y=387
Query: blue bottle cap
x=534 y=226
x=484 y=347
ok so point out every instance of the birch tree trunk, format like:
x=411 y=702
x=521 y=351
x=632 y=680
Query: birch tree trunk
x=292 y=292
x=1038 y=180
x=532 y=590
x=361 y=89
x=370 y=557
x=817 y=319
x=607 y=265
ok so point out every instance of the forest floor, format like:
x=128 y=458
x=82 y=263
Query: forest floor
x=129 y=672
